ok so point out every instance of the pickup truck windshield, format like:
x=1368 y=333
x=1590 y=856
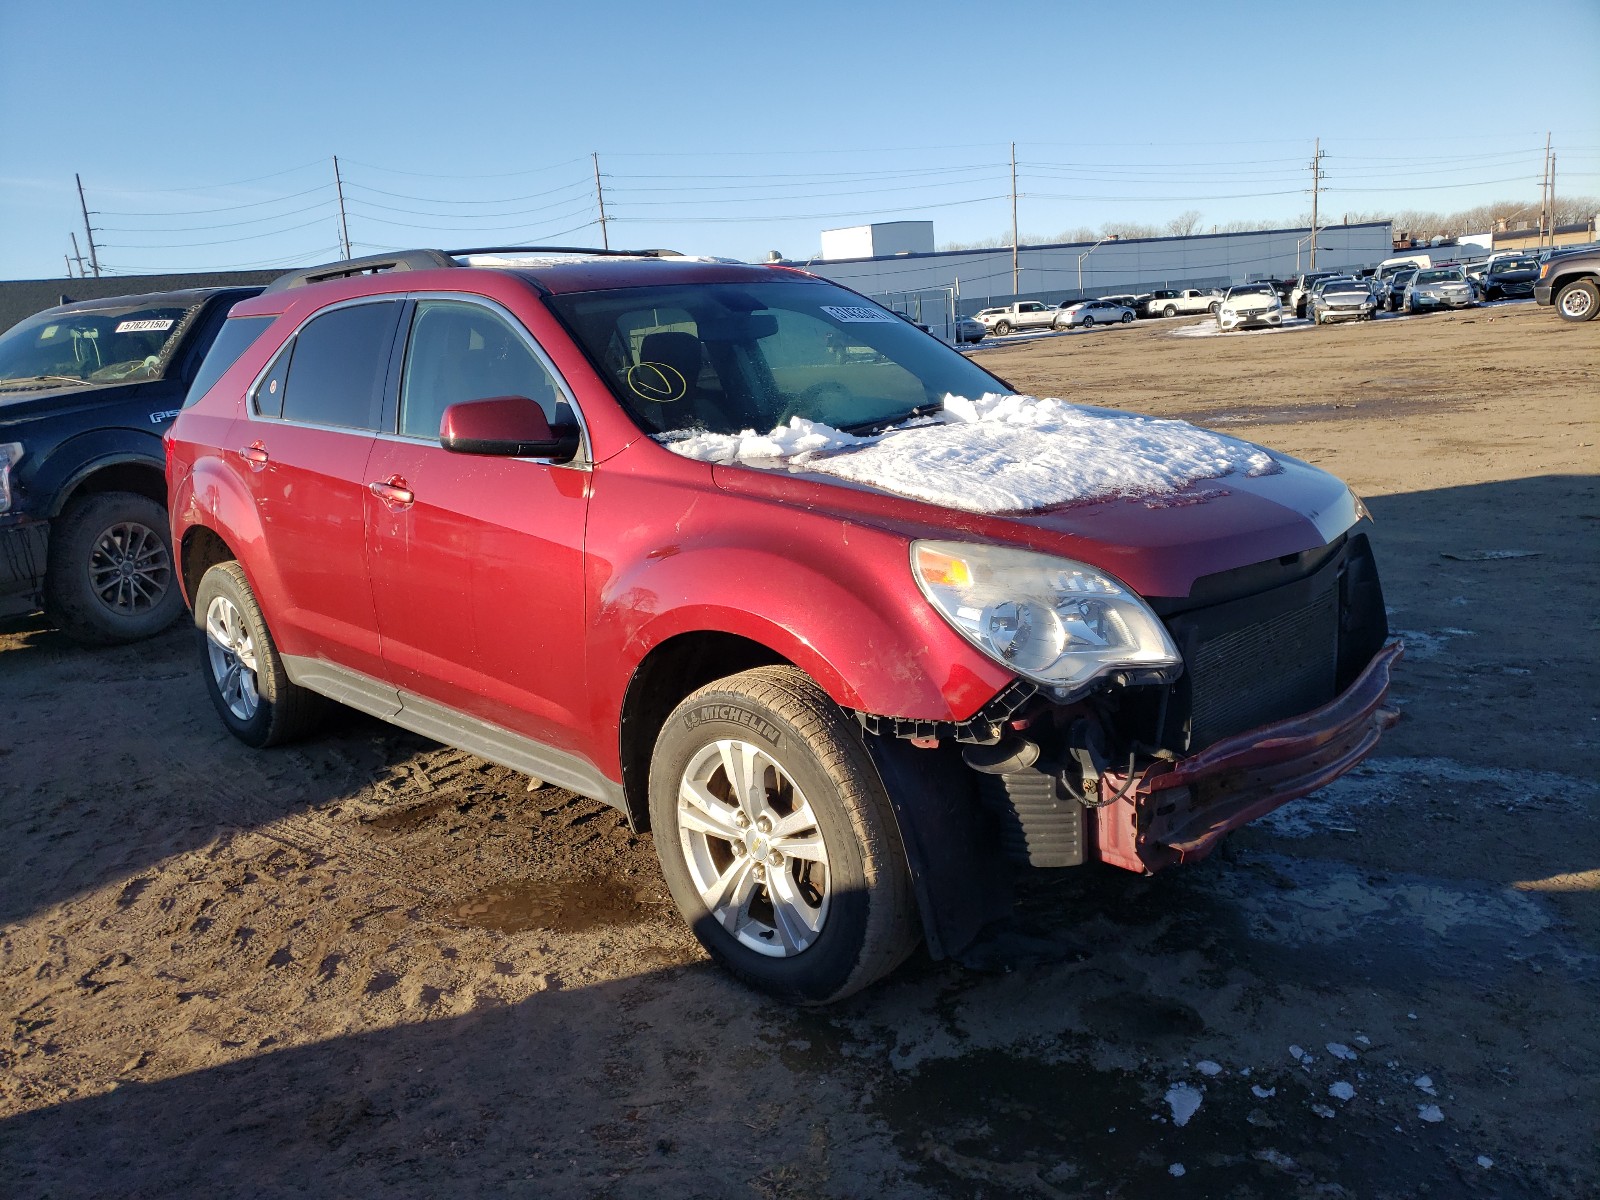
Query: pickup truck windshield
x=107 y=345
x=729 y=357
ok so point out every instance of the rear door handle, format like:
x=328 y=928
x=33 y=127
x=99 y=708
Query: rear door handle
x=256 y=455
x=393 y=492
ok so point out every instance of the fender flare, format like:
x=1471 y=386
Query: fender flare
x=78 y=458
x=210 y=497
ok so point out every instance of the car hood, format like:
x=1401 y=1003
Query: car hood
x=19 y=406
x=1158 y=545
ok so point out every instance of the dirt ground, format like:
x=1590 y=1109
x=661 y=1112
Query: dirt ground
x=366 y=965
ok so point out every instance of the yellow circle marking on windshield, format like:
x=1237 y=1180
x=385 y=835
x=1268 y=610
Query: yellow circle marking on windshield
x=657 y=382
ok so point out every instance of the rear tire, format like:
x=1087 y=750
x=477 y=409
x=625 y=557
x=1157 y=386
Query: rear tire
x=1002 y=327
x=1169 y=311
x=244 y=674
x=777 y=839
x=109 y=578
x=1578 y=301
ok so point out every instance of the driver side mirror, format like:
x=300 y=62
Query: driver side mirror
x=506 y=427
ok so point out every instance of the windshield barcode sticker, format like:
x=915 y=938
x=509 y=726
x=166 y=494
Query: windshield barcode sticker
x=143 y=326
x=858 y=315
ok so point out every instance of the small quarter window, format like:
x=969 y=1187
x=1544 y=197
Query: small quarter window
x=237 y=335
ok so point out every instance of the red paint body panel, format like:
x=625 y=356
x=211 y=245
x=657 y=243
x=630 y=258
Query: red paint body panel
x=478 y=585
x=1178 y=811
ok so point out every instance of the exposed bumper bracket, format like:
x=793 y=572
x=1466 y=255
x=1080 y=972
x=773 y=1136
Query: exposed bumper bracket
x=1178 y=811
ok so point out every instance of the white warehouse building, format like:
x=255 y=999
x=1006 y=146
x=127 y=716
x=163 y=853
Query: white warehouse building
x=1052 y=273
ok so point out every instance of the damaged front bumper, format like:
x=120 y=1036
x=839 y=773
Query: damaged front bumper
x=1170 y=812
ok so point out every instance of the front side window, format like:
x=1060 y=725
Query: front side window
x=104 y=345
x=461 y=351
x=333 y=371
x=728 y=357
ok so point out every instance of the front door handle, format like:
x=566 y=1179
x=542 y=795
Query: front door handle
x=393 y=492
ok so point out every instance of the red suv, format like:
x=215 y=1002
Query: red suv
x=852 y=673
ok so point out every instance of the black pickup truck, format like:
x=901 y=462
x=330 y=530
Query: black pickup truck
x=1570 y=280
x=86 y=391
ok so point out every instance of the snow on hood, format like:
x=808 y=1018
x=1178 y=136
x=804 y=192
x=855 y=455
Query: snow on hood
x=999 y=453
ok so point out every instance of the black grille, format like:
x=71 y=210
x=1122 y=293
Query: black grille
x=1266 y=671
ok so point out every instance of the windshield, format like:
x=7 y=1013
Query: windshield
x=1441 y=275
x=729 y=357
x=106 y=345
x=1251 y=289
x=1514 y=264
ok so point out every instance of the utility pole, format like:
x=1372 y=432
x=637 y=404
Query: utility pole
x=76 y=253
x=94 y=259
x=68 y=257
x=600 y=195
x=1544 y=193
x=344 y=225
x=1552 y=199
x=1016 y=285
x=1316 y=192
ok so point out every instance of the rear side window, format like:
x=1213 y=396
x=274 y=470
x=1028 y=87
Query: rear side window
x=333 y=373
x=237 y=335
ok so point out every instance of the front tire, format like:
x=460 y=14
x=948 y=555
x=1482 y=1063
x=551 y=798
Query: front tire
x=1087 y=322
x=1578 y=301
x=244 y=674
x=777 y=839
x=109 y=578
x=1127 y=318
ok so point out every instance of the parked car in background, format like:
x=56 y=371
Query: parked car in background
x=969 y=330
x=1250 y=306
x=1341 y=300
x=1184 y=303
x=488 y=504
x=1439 y=287
x=1302 y=289
x=1570 y=281
x=1128 y=300
x=86 y=391
x=1509 y=278
x=1024 y=314
x=1088 y=313
x=1395 y=299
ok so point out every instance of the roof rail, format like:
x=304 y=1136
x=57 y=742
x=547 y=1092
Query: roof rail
x=406 y=260
x=596 y=250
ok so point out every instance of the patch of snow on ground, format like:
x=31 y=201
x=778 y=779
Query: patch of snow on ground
x=1262 y=1093
x=998 y=453
x=1340 y=1050
x=1208 y=1068
x=1184 y=1101
x=1424 y=1083
x=1430 y=1113
x=1322 y=1110
x=1341 y=1090
x=1176 y=1170
x=1485 y=1161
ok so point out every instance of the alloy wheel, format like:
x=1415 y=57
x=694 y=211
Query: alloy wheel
x=232 y=655
x=754 y=849
x=130 y=569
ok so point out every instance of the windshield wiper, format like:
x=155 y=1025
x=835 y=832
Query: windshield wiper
x=22 y=384
x=878 y=424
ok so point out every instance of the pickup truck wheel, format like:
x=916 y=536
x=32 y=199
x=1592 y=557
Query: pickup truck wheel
x=1170 y=310
x=1002 y=327
x=1578 y=301
x=243 y=672
x=109 y=577
x=777 y=839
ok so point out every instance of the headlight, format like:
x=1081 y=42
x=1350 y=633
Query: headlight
x=10 y=455
x=1057 y=622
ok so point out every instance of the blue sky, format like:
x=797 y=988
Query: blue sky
x=205 y=132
